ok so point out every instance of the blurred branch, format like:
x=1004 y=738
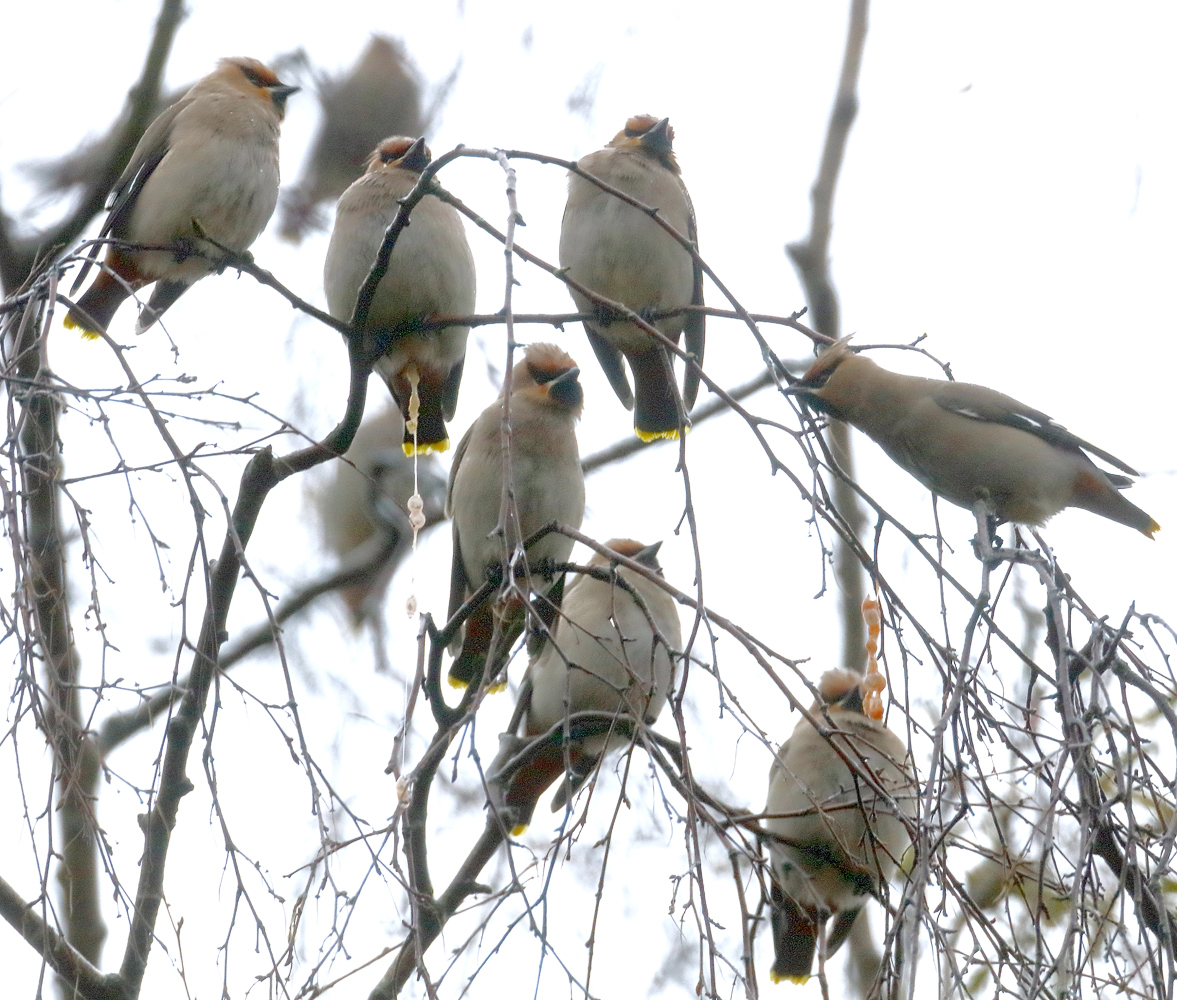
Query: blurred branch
x=65 y=960
x=811 y=258
x=75 y=763
x=19 y=254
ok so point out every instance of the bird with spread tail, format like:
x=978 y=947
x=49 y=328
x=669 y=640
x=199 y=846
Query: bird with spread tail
x=620 y=252
x=836 y=828
x=430 y=276
x=546 y=485
x=207 y=166
x=971 y=444
x=610 y=651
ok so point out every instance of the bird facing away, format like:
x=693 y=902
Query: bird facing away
x=206 y=166
x=365 y=501
x=606 y=653
x=547 y=485
x=834 y=838
x=619 y=252
x=380 y=96
x=968 y=443
x=430 y=276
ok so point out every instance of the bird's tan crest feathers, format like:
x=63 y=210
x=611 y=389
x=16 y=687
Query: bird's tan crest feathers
x=639 y=125
x=836 y=684
x=643 y=134
x=826 y=362
x=545 y=361
x=627 y=547
x=393 y=149
x=255 y=71
x=622 y=546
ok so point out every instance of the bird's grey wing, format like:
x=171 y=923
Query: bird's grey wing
x=611 y=363
x=459 y=453
x=693 y=328
x=981 y=403
x=449 y=390
x=459 y=583
x=152 y=148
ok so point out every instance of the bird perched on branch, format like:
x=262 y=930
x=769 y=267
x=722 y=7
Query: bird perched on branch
x=621 y=253
x=207 y=166
x=968 y=443
x=378 y=97
x=362 y=507
x=835 y=832
x=606 y=653
x=546 y=485
x=430 y=276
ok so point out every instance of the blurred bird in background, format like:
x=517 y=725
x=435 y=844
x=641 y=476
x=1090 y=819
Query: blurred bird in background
x=362 y=507
x=430 y=276
x=380 y=96
x=80 y=168
x=968 y=443
x=606 y=653
x=621 y=253
x=547 y=484
x=207 y=166
x=834 y=838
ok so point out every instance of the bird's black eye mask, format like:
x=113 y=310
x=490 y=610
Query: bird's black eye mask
x=543 y=375
x=255 y=78
x=817 y=381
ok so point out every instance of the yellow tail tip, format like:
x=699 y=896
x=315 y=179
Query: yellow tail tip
x=425 y=447
x=647 y=436
x=776 y=977
x=456 y=682
x=497 y=687
x=1152 y=528
x=518 y=831
x=72 y=324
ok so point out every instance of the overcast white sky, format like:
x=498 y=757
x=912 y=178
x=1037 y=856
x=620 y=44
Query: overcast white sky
x=1008 y=190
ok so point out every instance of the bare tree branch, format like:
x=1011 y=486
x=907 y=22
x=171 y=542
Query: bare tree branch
x=18 y=254
x=65 y=960
x=811 y=258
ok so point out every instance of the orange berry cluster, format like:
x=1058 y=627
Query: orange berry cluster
x=874 y=682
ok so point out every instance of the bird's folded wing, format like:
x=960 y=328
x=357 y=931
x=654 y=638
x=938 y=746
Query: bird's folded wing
x=980 y=403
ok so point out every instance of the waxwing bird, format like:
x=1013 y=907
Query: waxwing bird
x=363 y=506
x=547 y=485
x=835 y=838
x=208 y=166
x=621 y=253
x=430 y=275
x=378 y=97
x=968 y=443
x=606 y=653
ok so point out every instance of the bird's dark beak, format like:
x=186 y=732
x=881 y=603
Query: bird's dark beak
x=278 y=94
x=566 y=390
x=658 y=140
x=416 y=158
x=649 y=555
